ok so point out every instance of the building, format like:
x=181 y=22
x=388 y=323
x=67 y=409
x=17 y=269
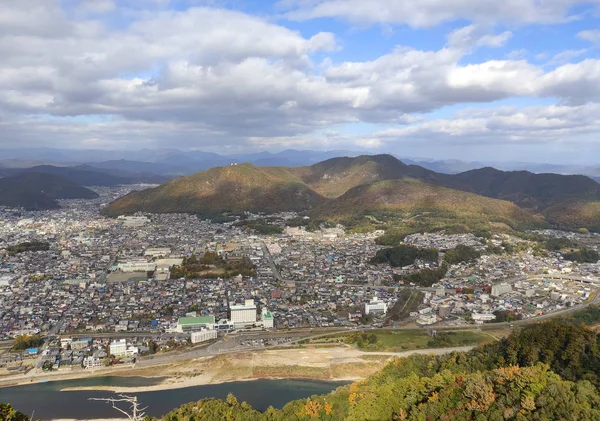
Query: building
x=157 y=251
x=479 y=318
x=92 y=362
x=137 y=266
x=444 y=310
x=120 y=348
x=267 y=319
x=426 y=319
x=243 y=315
x=224 y=325
x=194 y=324
x=203 y=336
x=376 y=306
x=499 y=289
x=80 y=344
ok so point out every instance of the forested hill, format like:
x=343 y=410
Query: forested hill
x=37 y=191
x=329 y=188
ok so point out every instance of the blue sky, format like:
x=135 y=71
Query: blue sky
x=469 y=79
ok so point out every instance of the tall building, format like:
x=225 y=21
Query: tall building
x=376 y=306
x=118 y=347
x=243 y=315
x=267 y=319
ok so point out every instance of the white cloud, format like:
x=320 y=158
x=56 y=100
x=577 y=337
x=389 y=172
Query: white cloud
x=591 y=35
x=476 y=36
x=519 y=54
x=423 y=14
x=207 y=77
x=97 y=6
x=505 y=125
x=566 y=56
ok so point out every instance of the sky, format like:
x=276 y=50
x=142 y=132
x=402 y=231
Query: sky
x=488 y=80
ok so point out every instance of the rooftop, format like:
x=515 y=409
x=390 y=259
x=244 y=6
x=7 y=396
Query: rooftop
x=195 y=320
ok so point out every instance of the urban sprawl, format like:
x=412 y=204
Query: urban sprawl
x=112 y=288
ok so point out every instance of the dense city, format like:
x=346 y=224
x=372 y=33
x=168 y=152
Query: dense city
x=132 y=286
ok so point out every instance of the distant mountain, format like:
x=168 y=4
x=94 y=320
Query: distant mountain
x=526 y=189
x=165 y=161
x=133 y=166
x=185 y=162
x=235 y=188
x=39 y=191
x=88 y=176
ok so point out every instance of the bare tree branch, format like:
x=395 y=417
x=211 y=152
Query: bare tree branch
x=137 y=413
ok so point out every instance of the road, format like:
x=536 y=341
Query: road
x=269 y=257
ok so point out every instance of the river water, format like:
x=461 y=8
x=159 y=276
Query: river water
x=47 y=402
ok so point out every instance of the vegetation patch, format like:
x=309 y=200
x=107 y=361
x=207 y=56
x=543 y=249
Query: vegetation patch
x=404 y=255
x=28 y=246
x=212 y=265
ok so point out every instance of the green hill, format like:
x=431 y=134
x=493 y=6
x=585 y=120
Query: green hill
x=413 y=205
x=234 y=188
x=37 y=191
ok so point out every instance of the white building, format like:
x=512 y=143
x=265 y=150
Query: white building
x=92 y=362
x=120 y=348
x=137 y=266
x=479 y=318
x=267 y=319
x=243 y=315
x=203 y=336
x=376 y=306
x=499 y=289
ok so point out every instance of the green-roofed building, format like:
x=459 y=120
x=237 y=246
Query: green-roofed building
x=193 y=324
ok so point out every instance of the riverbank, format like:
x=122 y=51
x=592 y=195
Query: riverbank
x=339 y=363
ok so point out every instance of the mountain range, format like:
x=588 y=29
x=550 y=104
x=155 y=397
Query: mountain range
x=174 y=162
x=380 y=192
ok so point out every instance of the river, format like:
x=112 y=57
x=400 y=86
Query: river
x=46 y=401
